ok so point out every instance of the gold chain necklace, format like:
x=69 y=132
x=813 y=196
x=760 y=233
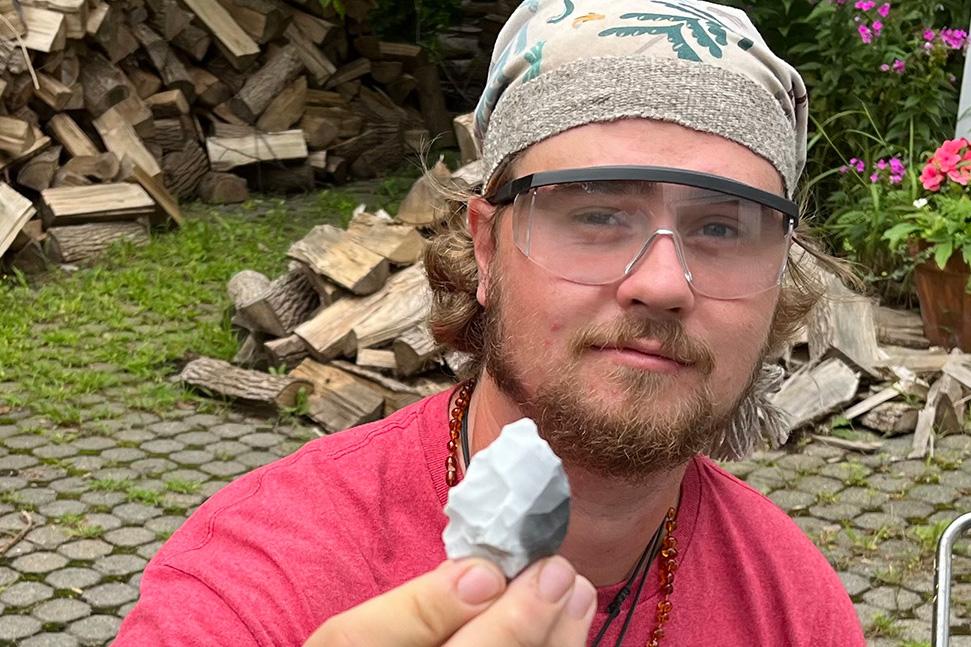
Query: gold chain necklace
x=669 y=545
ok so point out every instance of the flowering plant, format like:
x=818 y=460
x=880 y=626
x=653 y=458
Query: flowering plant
x=939 y=222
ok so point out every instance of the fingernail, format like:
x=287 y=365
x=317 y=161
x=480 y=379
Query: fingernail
x=581 y=599
x=555 y=579
x=479 y=584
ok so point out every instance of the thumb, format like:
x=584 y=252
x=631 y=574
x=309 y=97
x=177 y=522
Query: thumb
x=423 y=612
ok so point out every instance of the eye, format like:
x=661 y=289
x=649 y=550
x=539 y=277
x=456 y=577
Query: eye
x=600 y=218
x=718 y=230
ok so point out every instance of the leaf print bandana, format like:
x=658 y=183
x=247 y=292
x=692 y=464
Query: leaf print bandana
x=559 y=64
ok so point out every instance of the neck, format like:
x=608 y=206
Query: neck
x=611 y=520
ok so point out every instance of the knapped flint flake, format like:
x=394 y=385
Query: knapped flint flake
x=513 y=506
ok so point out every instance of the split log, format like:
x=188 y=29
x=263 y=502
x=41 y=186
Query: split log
x=183 y=171
x=225 y=379
x=64 y=177
x=235 y=43
x=365 y=322
x=171 y=134
x=810 y=395
x=37 y=173
x=168 y=18
x=432 y=101
x=103 y=167
x=168 y=65
x=98 y=203
x=210 y=91
x=287 y=351
x=891 y=418
x=266 y=83
x=79 y=243
x=318 y=65
x=15 y=211
x=340 y=400
x=843 y=322
x=121 y=139
x=292 y=299
x=330 y=252
x=374 y=358
x=52 y=92
x=75 y=14
x=415 y=350
x=286 y=108
x=939 y=411
x=274 y=307
x=165 y=200
x=193 y=41
x=400 y=244
x=862 y=446
x=46 y=30
x=75 y=141
x=226 y=153
x=261 y=19
x=349 y=72
x=247 y=290
x=312 y=27
x=31 y=259
x=285 y=177
x=222 y=188
x=425 y=205
x=133 y=110
x=169 y=104
x=900 y=328
x=396 y=394
x=109 y=28
x=104 y=84
x=16 y=136
x=251 y=353
x=319 y=131
x=918 y=361
x=469 y=150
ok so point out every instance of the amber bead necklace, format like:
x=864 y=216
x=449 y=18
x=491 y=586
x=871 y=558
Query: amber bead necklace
x=458 y=437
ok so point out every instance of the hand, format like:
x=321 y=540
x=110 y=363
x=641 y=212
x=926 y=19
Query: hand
x=467 y=603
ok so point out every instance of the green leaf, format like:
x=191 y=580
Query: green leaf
x=942 y=253
x=900 y=232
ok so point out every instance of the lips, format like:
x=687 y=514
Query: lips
x=654 y=349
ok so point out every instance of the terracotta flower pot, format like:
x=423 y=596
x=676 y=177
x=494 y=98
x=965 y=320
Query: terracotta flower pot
x=945 y=303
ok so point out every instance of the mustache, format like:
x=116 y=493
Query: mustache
x=673 y=340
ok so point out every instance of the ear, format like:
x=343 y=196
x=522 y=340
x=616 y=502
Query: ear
x=481 y=213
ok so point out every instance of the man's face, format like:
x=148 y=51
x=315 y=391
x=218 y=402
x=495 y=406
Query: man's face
x=632 y=376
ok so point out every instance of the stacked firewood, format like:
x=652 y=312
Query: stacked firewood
x=346 y=323
x=112 y=111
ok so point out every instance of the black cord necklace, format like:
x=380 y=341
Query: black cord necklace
x=642 y=566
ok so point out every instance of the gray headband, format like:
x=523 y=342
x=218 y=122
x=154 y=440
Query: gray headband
x=559 y=64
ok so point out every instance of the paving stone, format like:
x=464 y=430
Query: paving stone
x=224 y=468
x=115 y=474
x=819 y=484
x=134 y=435
x=909 y=468
x=62 y=610
x=64 y=506
x=55 y=451
x=889 y=484
x=892 y=599
x=162 y=446
x=961 y=442
x=140 y=419
x=262 y=440
x=934 y=494
x=909 y=509
x=129 y=537
x=12 y=483
x=50 y=640
x=958 y=480
x=39 y=562
x=36 y=496
x=741 y=469
x=87 y=463
x=878 y=520
x=95 y=630
x=202 y=420
x=148 y=550
x=85 y=549
x=120 y=564
x=153 y=466
x=835 y=511
x=27 y=441
x=867 y=499
x=792 y=500
x=43 y=473
x=105 y=521
x=811 y=525
x=7 y=576
x=854 y=583
x=186 y=475
x=73 y=578
x=166 y=524
x=259 y=459
x=122 y=454
x=95 y=443
x=191 y=457
x=48 y=537
x=25 y=594
x=211 y=487
x=103 y=498
x=13 y=628
x=135 y=513
x=110 y=595
x=70 y=485
x=21 y=548
x=169 y=428
x=15 y=462
x=197 y=438
x=230 y=430
x=867 y=612
x=15 y=522
x=797 y=462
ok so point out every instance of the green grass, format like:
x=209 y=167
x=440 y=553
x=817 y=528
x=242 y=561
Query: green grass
x=180 y=486
x=125 y=324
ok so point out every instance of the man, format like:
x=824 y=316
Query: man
x=620 y=281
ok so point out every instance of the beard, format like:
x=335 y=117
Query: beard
x=650 y=424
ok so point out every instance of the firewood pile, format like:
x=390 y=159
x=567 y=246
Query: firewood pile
x=346 y=321
x=112 y=111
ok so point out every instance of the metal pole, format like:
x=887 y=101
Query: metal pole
x=941 y=631
x=964 y=103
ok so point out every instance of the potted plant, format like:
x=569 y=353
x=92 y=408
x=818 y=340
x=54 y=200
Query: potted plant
x=936 y=234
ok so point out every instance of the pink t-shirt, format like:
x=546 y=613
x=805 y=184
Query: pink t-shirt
x=272 y=555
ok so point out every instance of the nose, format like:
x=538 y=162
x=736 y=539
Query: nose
x=656 y=280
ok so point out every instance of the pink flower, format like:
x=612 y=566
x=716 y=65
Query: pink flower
x=929 y=35
x=954 y=38
x=877 y=27
x=865 y=5
x=865 y=34
x=952 y=160
x=899 y=66
x=931 y=178
x=881 y=164
x=884 y=10
x=858 y=165
x=874 y=178
x=896 y=166
x=896 y=179
x=948 y=155
x=884 y=68
x=844 y=169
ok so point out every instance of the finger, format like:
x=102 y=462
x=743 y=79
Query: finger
x=533 y=611
x=423 y=612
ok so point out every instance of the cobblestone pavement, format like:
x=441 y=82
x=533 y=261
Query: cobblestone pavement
x=104 y=498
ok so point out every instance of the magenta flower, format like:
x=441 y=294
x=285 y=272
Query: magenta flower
x=899 y=66
x=858 y=165
x=881 y=164
x=897 y=167
x=929 y=35
x=865 y=5
x=877 y=27
x=844 y=169
x=865 y=34
x=954 y=38
x=884 y=68
x=884 y=10
x=896 y=179
x=874 y=178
